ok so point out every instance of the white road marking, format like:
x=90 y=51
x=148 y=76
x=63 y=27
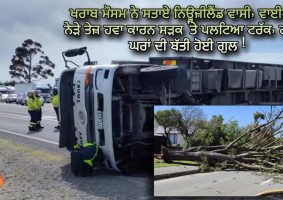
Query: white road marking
x=267 y=181
x=30 y=137
x=14 y=115
x=48 y=118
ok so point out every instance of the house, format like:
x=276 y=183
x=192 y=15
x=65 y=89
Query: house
x=176 y=139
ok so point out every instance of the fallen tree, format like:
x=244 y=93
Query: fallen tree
x=261 y=151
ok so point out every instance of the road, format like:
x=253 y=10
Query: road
x=229 y=183
x=14 y=120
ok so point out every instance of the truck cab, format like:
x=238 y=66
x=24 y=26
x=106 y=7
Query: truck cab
x=111 y=106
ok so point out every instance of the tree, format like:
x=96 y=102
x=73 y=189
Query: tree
x=167 y=119
x=30 y=63
x=209 y=134
x=190 y=120
x=8 y=83
x=216 y=135
x=232 y=129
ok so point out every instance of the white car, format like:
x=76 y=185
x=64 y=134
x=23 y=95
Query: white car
x=4 y=97
x=11 y=98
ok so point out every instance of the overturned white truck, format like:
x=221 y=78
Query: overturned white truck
x=112 y=105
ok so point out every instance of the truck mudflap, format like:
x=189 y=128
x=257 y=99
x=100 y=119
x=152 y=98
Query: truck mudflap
x=67 y=133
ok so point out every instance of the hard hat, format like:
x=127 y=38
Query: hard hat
x=55 y=91
x=30 y=94
x=36 y=92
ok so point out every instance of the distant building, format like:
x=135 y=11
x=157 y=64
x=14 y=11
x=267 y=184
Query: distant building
x=6 y=89
x=176 y=139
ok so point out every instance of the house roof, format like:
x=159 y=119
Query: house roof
x=6 y=88
x=10 y=88
x=160 y=130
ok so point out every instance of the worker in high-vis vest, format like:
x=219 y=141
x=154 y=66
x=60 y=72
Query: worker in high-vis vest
x=55 y=103
x=91 y=154
x=85 y=158
x=32 y=110
x=39 y=102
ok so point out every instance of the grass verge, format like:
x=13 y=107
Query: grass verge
x=160 y=163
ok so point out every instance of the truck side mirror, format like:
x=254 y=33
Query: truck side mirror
x=75 y=52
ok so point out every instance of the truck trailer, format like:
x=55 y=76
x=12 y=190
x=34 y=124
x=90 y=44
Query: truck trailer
x=112 y=105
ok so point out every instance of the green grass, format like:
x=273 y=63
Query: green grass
x=175 y=163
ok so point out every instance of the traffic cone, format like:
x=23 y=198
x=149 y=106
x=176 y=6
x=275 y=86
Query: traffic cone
x=1 y=181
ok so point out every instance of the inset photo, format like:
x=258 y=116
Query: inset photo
x=218 y=151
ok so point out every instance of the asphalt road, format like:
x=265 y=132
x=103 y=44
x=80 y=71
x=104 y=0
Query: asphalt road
x=230 y=183
x=14 y=120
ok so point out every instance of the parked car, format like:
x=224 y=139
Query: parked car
x=11 y=98
x=23 y=99
x=4 y=97
x=19 y=98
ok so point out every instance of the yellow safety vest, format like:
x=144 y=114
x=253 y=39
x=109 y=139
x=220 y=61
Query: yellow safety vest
x=55 y=101
x=31 y=103
x=89 y=161
x=39 y=102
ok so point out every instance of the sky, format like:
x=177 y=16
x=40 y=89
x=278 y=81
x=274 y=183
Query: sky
x=42 y=21
x=243 y=114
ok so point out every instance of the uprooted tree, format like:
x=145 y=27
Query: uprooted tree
x=259 y=147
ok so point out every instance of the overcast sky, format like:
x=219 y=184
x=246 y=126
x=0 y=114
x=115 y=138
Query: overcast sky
x=42 y=21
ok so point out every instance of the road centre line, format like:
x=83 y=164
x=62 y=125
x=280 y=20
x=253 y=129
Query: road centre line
x=30 y=137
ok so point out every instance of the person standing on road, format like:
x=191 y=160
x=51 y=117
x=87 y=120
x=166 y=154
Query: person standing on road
x=39 y=102
x=55 y=103
x=32 y=110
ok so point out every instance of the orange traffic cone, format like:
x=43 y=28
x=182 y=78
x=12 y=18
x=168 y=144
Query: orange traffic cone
x=1 y=181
